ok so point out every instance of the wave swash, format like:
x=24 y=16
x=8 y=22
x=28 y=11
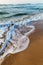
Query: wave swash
x=14 y=36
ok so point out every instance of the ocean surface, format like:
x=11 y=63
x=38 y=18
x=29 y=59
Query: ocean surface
x=19 y=11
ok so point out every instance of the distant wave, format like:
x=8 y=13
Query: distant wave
x=11 y=10
x=2 y=13
x=19 y=14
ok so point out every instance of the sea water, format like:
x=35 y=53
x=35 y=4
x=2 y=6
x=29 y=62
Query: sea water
x=19 y=12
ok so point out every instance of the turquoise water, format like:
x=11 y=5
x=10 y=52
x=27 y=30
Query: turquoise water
x=10 y=11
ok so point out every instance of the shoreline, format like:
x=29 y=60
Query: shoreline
x=33 y=55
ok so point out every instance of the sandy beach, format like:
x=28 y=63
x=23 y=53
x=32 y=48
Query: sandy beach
x=33 y=55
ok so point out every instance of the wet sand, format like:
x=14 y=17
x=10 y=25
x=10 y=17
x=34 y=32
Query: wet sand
x=33 y=55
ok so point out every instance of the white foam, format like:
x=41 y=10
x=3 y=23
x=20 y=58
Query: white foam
x=37 y=17
x=18 y=43
x=28 y=33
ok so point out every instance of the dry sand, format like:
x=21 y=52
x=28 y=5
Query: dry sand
x=33 y=55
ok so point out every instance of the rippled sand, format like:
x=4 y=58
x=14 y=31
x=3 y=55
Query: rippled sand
x=33 y=55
